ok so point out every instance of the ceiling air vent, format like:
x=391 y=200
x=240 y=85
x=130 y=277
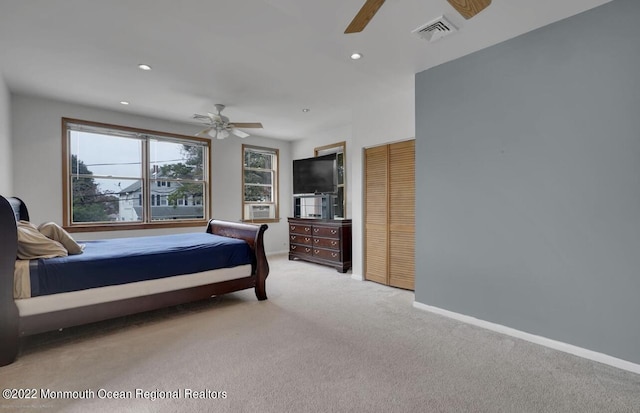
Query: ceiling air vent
x=435 y=29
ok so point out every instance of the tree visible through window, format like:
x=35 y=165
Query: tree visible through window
x=120 y=176
x=260 y=183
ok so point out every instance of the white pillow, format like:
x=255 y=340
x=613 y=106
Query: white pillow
x=55 y=232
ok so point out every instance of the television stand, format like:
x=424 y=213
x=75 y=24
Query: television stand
x=322 y=241
x=315 y=206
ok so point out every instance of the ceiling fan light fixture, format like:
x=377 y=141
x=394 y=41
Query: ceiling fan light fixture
x=356 y=56
x=143 y=66
x=219 y=126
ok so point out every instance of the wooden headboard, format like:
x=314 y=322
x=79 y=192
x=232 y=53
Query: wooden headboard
x=19 y=208
x=10 y=210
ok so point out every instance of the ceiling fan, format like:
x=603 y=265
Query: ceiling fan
x=467 y=8
x=218 y=126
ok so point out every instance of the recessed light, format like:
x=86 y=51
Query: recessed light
x=144 y=67
x=356 y=56
x=305 y=110
x=124 y=102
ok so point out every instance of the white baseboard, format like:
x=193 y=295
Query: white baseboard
x=357 y=277
x=274 y=253
x=547 y=342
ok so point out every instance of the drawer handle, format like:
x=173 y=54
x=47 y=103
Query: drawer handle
x=307 y=249
x=316 y=240
x=316 y=229
x=317 y=251
x=293 y=237
x=306 y=229
x=293 y=247
x=334 y=254
x=334 y=231
x=334 y=243
x=293 y=227
x=306 y=239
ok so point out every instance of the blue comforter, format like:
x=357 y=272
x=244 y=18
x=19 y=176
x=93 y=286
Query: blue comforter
x=126 y=260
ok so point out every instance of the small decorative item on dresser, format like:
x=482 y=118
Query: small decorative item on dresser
x=325 y=242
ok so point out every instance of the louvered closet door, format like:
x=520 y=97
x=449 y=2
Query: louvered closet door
x=402 y=214
x=390 y=214
x=376 y=198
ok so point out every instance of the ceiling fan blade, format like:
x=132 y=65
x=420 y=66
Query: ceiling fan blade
x=469 y=8
x=203 y=132
x=246 y=125
x=239 y=133
x=364 y=16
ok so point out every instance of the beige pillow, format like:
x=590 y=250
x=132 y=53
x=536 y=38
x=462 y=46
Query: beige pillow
x=32 y=244
x=55 y=232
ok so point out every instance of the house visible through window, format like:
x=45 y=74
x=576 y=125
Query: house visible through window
x=260 y=184
x=118 y=177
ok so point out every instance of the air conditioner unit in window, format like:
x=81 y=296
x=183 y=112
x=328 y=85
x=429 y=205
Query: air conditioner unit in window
x=260 y=211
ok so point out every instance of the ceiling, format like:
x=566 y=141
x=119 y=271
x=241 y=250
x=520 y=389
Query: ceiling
x=265 y=59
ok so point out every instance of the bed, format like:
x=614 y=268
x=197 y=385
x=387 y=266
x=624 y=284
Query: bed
x=61 y=295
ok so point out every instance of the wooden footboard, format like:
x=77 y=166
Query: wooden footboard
x=254 y=236
x=12 y=326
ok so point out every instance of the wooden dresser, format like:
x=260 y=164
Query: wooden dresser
x=325 y=242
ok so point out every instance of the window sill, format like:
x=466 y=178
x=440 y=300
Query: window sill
x=261 y=221
x=127 y=227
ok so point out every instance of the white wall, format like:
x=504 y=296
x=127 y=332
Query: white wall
x=37 y=164
x=6 y=160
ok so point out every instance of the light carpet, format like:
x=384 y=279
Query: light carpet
x=323 y=342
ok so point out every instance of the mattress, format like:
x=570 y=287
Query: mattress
x=74 y=299
x=127 y=260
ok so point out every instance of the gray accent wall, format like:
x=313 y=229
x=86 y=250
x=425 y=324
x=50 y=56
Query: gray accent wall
x=528 y=182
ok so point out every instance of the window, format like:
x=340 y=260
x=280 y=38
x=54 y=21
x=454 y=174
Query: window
x=340 y=150
x=260 y=184
x=123 y=178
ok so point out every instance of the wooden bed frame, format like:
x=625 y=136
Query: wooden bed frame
x=13 y=326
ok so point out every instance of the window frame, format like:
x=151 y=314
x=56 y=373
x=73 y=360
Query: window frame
x=275 y=184
x=145 y=179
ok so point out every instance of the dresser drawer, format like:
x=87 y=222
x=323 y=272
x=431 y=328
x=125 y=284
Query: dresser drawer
x=300 y=249
x=327 y=254
x=327 y=232
x=300 y=229
x=299 y=239
x=330 y=243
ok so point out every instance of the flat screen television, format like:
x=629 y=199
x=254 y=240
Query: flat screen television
x=315 y=175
